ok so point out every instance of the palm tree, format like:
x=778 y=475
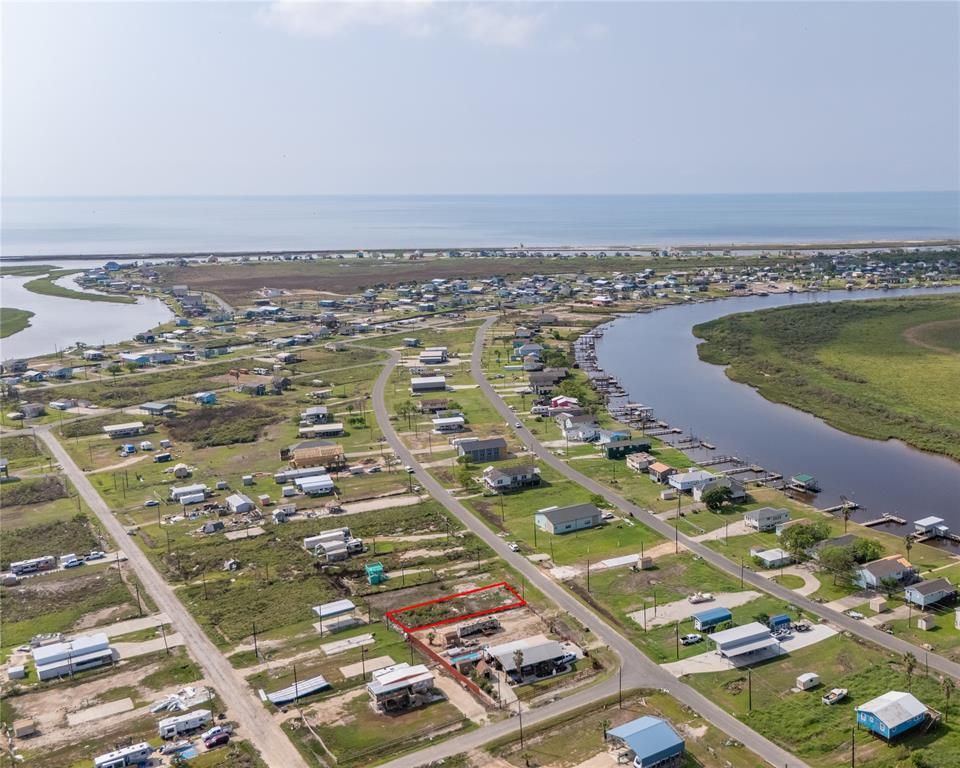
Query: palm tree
x=518 y=662
x=946 y=685
x=909 y=665
x=908 y=544
x=604 y=727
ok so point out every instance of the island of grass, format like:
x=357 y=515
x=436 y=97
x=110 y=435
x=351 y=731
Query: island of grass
x=882 y=369
x=13 y=320
x=48 y=287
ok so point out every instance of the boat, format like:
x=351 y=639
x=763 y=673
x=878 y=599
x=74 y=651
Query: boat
x=835 y=695
x=700 y=597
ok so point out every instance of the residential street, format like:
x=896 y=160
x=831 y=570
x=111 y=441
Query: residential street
x=638 y=670
x=242 y=704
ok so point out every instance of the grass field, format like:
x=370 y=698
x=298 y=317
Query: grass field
x=46 y=286
x=13 y=320
x=820 y=734
x=883 y=369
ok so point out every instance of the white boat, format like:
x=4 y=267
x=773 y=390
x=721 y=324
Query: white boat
x=700 y=597
x=835 y=695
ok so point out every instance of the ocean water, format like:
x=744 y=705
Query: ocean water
x=152 y=225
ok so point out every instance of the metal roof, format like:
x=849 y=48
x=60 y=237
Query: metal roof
x=894 y=708
x=713 y=614
x=297 y=691
x=648 y=737
x=336 y=608
x=569 y=514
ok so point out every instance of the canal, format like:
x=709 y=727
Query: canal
x=654 y=355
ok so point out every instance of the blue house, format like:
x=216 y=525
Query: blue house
x=652 y=741
x=711 y=618
x=891 y=714
x=111 y=266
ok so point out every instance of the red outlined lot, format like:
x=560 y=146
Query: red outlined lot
x=520 y=602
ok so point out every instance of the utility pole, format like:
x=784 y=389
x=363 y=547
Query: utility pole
x=853 y=747
x=139 y=604
x=520 y=713
x=678 y=641
x=741 y=571
x=256 y=649
x=620 y=689
x=203 y=578
x=588 y=574
x=163 y=632
x=749 y=690
x=119 y=567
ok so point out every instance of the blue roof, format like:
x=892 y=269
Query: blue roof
x=780 y=618
x=651 y=738
x=713 y=614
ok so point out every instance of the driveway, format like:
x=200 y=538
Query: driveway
x=679 y=610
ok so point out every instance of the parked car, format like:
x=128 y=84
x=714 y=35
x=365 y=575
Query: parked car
x=409 y=469
x=855 y=614
x=514 y=547
x=151 y=503
x=518 y=425
x=72 y=563
x=96 y=555
x=607 y=516
x=691 y=639
x=217 y=741
x=374 y=468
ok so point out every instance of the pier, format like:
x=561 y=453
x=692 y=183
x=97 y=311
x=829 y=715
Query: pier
x=884 y=518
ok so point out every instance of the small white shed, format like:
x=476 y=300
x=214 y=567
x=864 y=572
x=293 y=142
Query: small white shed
x=808 y=680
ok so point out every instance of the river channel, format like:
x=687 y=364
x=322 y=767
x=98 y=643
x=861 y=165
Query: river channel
x=654 y=355
x=59 y=322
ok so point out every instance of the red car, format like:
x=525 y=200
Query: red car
x=217 y=741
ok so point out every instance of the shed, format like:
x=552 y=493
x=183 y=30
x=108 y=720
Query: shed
x=926 y=622
x=878 y=604
x=808 y=680
x=24 y=727
x=746 y=639
x=375 y=573
x=238 y=502
x=652 y=741
x=711 y=618
x=779 y=621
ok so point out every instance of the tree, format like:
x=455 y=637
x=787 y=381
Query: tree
x=716 y=497
x=846 y=512
x=908 y=544
x=518 y=661
x=909 y=667
x=597 y=500
x=604 y=727
x=797 y=539
x=405 y=410
x=889 y=585
x=946 y=686
x=839 y=562
x=113 y=369
x=865 y=550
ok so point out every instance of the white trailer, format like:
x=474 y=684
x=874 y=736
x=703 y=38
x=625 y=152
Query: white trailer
x=172 y=727
x=135 y=754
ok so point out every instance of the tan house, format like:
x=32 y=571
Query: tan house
x=328 y=456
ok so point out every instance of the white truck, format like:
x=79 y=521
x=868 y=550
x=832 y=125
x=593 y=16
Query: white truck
x=172 y=727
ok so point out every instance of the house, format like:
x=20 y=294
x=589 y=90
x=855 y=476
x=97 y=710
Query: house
x=128 y=429
x=171 y=727
x=621 y=447
x=481 y=450
x=872 y=575
x=559 y=520
x=248 y=388
x=562 y=401
x=135 y=754
x=737 y=492
x=543 y=382
x=63 y=405
x=639 y=462
x=317 y=414
x=157 y=409
x=538 y=656
x=428 y=384
x=511 y=478
x=891 y=714
x=333 y=429
x=660 y=472
x=238 y=503
x=315 y=485
x=32 y=410
x=211 y=526
x=711 y=618
x=65 y=658
x=928 y=592
x=651 y=742
x=318 y=454
x=447 y=424
x=772 y=558
x=178 y=493
x=433 y=405
x=205 y=398
x=685 y=482
x=583 y=428
x=765 y=518
x=400 y=686
x=745 y=640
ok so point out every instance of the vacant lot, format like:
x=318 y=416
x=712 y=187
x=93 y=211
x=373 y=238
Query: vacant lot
x=36 y=491
x=57 y=537
x=883 y=369
x=225 y=425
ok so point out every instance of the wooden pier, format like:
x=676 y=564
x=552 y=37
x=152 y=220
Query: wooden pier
x=886 y=517
x=718 y=460
x=841 y=507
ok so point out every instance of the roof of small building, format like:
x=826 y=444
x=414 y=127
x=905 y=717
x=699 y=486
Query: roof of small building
x=713 y=614
x=887 y=566
x=482 y=443
x=756 y=514
x=569 y=514
x=647 y=736
x=659 y=466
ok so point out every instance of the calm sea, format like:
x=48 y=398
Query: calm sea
x=71 y=226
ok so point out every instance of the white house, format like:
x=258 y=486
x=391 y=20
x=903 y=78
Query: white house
x=84 y=652
x=925 y=593
x=871 y=575
x=687 y=481
x=448 y=424
x=765 y=518
x=238 y=502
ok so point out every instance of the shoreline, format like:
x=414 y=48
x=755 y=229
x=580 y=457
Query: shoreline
x=631 y=250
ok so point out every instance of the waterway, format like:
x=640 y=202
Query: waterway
x=654 y=355
x=59 y=322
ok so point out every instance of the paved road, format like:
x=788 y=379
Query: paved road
x=242 y=703
x=638 y=670
x=838 y=619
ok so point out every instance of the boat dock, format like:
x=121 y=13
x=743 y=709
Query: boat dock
x=841 y=507
x=886 y=517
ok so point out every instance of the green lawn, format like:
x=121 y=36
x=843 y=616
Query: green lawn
x=13 y=320
x=47 y=287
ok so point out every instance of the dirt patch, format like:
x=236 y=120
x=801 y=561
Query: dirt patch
x=411 y=554
x=920 y=336
x=103 y=616
x=334 y=711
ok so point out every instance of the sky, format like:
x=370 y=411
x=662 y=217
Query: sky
x=443 y=97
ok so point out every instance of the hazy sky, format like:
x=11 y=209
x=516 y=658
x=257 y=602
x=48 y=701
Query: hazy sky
x=444 y=97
